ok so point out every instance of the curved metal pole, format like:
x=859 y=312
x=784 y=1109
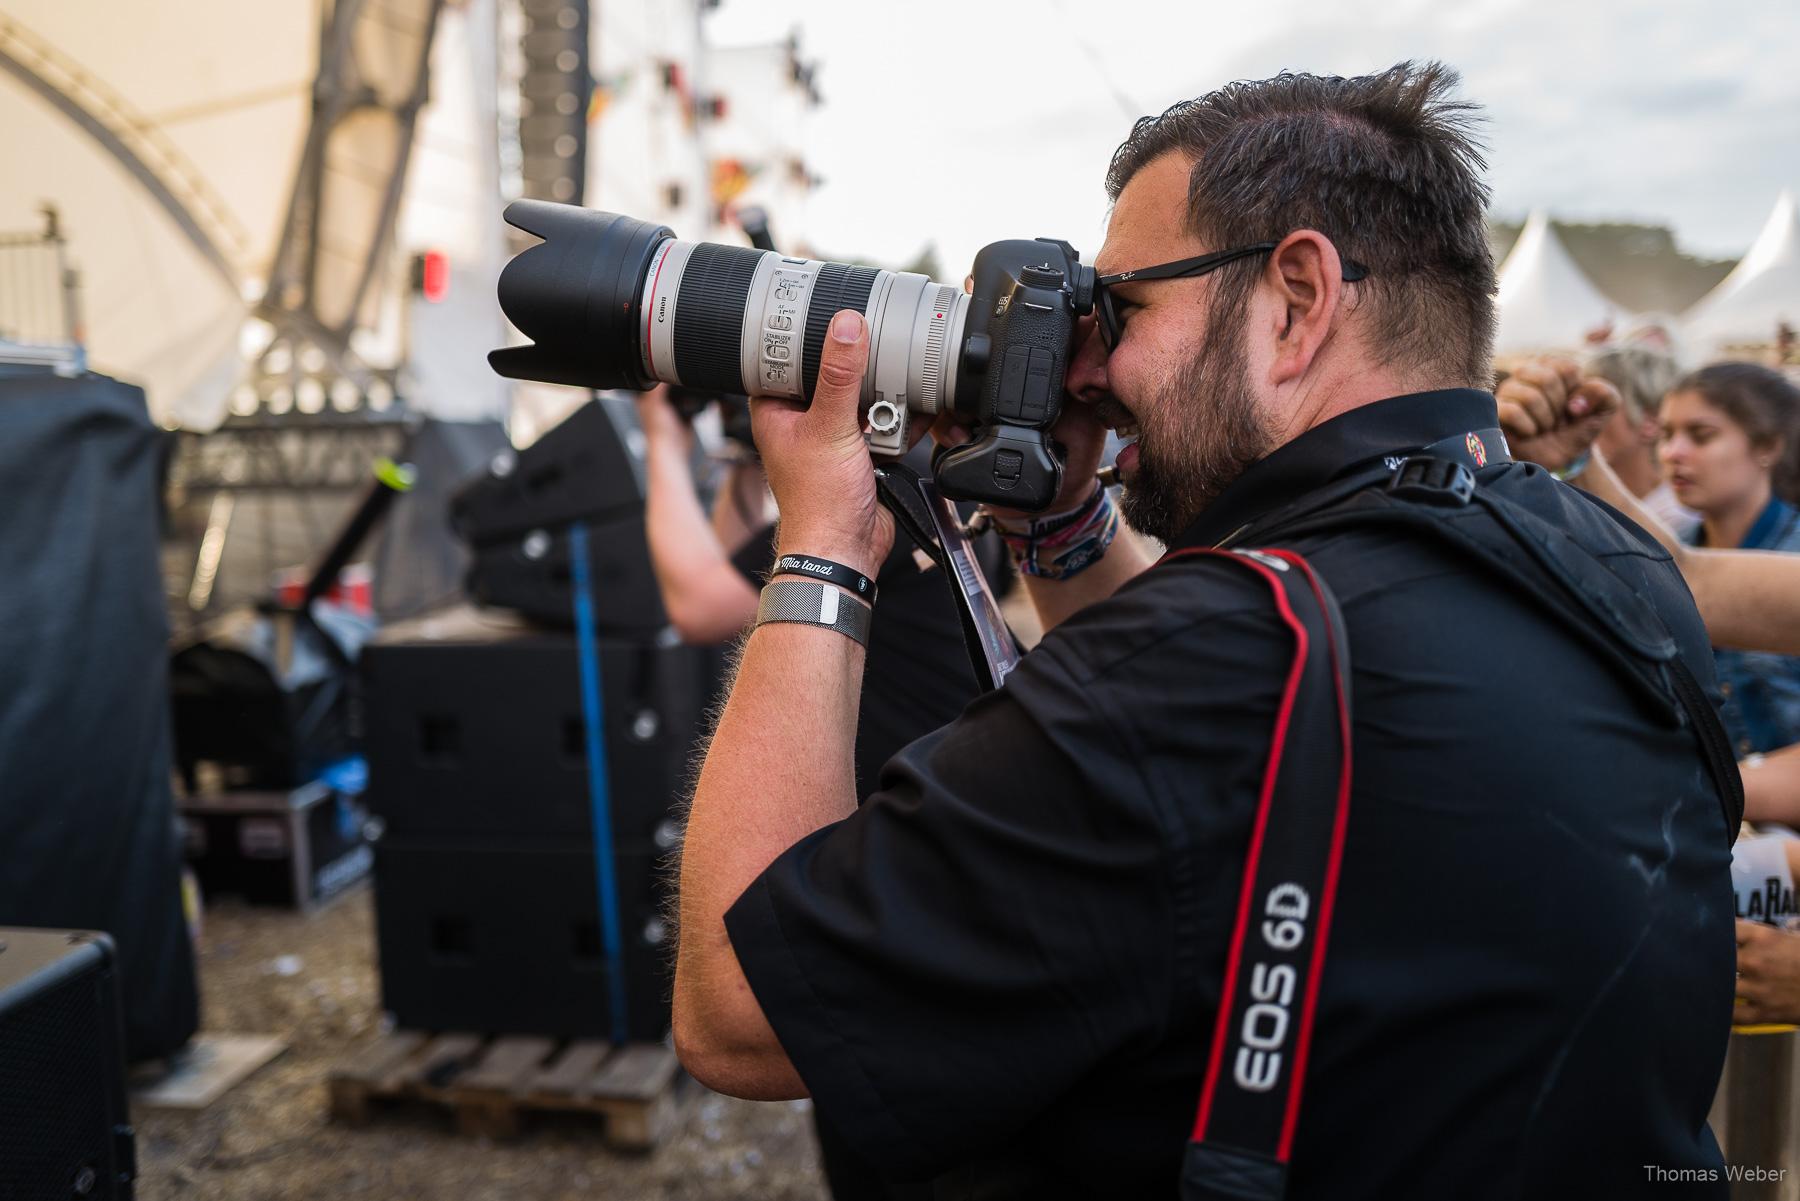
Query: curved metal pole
x=114 y=145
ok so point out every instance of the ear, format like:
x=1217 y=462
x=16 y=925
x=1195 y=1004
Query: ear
x=1307 y=276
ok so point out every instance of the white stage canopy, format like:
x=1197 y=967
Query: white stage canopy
x=1762 y=291
x=1545 y=300
x=212 y=101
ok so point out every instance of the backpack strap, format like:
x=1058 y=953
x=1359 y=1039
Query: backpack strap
x=1250 y=1101
x=1550 y=568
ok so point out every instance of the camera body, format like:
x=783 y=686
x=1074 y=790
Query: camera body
x=611 y=302
x=1017 y=342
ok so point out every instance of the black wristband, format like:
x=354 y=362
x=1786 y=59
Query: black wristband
x=816 y=568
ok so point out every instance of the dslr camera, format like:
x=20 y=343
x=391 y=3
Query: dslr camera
x=612 y=302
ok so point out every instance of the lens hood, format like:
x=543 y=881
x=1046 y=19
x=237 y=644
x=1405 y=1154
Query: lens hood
x=577 y=296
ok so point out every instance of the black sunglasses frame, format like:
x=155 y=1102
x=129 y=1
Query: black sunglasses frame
x=1111 y=326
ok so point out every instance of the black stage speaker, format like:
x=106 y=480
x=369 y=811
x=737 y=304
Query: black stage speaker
x=475 y=730
x=531 y=573
x=504 y=938
x=64 y=1128
x=578 y=470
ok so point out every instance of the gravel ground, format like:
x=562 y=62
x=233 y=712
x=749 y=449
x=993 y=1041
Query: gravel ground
x=312 y=981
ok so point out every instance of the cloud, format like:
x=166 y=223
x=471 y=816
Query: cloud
x=1678 y=113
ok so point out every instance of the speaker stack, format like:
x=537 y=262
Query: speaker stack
x=486 y=882
x=64 y=1127
x=516 y=520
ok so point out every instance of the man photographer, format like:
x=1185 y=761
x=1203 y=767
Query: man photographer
x=1005 y=969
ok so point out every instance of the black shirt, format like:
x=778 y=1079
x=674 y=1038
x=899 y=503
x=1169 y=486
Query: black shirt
x=1005 y=966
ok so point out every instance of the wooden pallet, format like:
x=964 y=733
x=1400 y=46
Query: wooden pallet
x=489 y=1083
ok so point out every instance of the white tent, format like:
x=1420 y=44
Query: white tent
x=1761 y=291
x=169 y=138
x=1545 y=301
x=214 y=103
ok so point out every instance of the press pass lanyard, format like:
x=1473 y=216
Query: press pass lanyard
x=922 y=512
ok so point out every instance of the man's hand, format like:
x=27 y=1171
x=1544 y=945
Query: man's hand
x=817 y=462
x=662 y=425
x=1551 y=414
x=1768 y=975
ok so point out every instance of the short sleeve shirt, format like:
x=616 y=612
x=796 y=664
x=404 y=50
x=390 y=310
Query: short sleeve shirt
x=1002 y=972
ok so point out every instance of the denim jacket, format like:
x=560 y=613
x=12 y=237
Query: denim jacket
x=1762 y=691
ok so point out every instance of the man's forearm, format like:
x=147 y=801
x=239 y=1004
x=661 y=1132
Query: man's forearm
x=1772 y=786
x=741 y=507
x=781 y=765
x=1749 y=599
x=1056 y=600
x=705 y=598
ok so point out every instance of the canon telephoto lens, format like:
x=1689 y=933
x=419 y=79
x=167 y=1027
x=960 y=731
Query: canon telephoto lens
x=611 y=302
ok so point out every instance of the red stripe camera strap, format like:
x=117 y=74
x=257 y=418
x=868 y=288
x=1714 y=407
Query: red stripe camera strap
x=1250 y=1101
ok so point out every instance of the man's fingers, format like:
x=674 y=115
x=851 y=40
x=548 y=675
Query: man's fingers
x=1541 y=407
x=1517 y=423
x=1595 y=397
x=1547 y=377
x=1525 y=411
x=1568 y=371
x=837 y=396
x=1749 y=932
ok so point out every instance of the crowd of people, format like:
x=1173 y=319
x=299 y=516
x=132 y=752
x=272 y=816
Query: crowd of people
x=1318 y=858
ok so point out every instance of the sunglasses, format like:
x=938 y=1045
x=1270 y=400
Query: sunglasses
x=1112 y=323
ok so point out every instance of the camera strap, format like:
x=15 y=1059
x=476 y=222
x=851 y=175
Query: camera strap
x=1250 y=1101
x=930 y=520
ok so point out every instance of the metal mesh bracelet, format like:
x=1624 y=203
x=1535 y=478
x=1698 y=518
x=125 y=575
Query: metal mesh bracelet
x=810 y=602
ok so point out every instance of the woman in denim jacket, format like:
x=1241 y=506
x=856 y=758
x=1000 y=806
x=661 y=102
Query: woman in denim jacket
x=1729 y=452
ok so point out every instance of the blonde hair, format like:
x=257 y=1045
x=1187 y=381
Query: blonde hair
x=1642 y=375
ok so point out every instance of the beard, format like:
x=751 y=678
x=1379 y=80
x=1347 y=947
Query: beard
x=1206 y=432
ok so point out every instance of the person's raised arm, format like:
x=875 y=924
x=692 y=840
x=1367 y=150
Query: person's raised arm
x=1772 y=787
x=706 y=599
x=741 y=508
x=781 y=762
x=1749 y=599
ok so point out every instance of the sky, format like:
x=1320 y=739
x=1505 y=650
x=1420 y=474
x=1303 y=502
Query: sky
x=960 y=124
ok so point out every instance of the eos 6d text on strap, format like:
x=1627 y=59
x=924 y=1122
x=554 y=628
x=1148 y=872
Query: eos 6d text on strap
x=1250 y=1100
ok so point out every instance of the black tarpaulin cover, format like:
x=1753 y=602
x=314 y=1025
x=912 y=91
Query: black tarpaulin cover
x=87 y=828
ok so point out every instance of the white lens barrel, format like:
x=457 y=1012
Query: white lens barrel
x=766 y=303
x=774 y=343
